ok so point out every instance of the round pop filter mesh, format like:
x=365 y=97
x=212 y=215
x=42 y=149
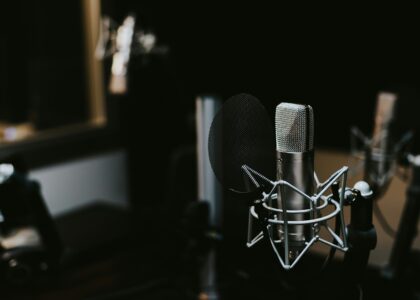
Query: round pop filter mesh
x=241 y=134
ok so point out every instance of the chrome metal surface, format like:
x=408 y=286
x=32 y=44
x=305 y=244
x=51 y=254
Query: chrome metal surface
x=283 y=218
x=296 y=168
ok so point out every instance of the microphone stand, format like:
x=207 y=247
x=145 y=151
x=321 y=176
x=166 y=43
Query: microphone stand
x=361 y=233
x=407 y=228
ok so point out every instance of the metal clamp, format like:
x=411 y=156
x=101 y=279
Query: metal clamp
x=262 y=212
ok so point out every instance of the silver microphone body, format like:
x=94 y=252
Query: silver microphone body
x=297 y=169
x=295 y=164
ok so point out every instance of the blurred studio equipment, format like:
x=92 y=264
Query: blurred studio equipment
x=209 y=192
x=289 y=214
x=30 y=247
x=381 y=154
x=121 y=43
x=407 y=229
x=54 y=87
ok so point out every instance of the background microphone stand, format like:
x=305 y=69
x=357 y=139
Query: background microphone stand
x=407 y=229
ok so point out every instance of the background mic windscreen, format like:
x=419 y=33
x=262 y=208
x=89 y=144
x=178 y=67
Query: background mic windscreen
x=241 y=133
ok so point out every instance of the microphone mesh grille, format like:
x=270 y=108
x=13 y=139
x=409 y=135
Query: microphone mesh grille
x=294 y=127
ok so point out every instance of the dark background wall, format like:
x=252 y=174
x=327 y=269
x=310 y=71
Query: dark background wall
x=336 y=60
x=42 y=63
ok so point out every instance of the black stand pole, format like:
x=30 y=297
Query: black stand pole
x=361 y=237
x=407 y=229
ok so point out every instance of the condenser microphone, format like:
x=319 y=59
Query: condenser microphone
x=295 y=164
x=380 y=157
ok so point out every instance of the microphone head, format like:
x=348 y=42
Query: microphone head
x=294 y=127
x=379 y=166
x=385 y=108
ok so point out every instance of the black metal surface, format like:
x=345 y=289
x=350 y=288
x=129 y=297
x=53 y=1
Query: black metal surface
x=361 y=239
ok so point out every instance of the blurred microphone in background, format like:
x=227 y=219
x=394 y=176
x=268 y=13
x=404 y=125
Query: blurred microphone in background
x=122 y=43
x=380 y=158
x=121 y=57
x=383 y=153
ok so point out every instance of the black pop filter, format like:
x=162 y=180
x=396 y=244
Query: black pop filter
x=241 y=134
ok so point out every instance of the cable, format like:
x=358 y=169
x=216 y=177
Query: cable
x=383 y=222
